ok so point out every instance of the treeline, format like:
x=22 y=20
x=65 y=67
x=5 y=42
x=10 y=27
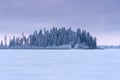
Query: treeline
x=54 y=38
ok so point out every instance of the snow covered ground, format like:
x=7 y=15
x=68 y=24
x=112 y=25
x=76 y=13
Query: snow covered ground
x=60 y=64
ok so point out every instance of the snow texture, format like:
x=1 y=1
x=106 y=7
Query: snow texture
x=60 y=64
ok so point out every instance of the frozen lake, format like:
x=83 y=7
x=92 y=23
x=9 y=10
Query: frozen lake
x=60 y=64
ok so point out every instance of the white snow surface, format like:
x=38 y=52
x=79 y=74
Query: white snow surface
x=60 y=64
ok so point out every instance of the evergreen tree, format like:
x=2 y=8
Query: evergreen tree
x=1 y=43
x=55 y=37
x=79 y=36
x=5 y=40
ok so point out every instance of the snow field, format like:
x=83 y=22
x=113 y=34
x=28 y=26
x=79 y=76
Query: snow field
x=60 y=64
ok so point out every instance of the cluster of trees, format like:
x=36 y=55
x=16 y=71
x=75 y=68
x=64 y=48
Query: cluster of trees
x=54 y=38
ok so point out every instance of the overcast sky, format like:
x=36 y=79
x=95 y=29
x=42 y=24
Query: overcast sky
x=100 y=17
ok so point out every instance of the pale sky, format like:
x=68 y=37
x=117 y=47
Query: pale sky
x=100 y=17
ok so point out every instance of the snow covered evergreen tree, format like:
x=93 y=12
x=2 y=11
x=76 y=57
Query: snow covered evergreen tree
x=55 y=38
x=1 y=44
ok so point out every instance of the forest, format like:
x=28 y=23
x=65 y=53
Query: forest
x=54 y=38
